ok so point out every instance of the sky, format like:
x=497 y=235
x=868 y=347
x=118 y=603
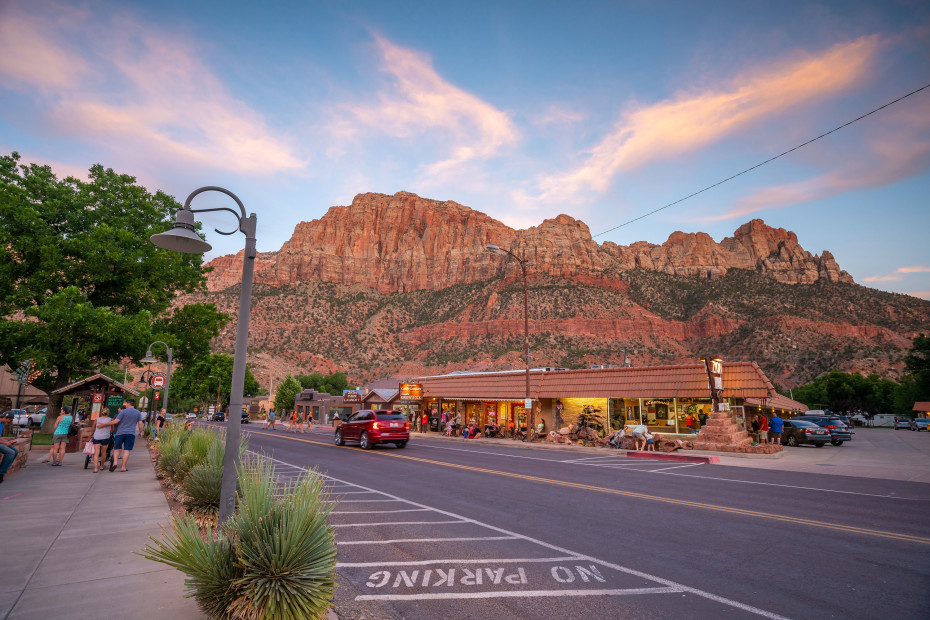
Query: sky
x=604 y=111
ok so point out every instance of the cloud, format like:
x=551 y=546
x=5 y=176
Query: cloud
x=692 y=120
x=127 y=86
x=421 y=101
x=898 y=148
x=921 y=294
x=897 y=274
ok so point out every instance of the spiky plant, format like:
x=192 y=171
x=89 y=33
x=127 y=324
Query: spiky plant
x=195 y=449
x=201 y=487
x=275 y=558
x=170 y=449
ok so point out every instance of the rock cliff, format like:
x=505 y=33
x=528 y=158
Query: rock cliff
x=406 y=243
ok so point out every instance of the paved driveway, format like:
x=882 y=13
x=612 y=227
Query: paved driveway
x=873 y=453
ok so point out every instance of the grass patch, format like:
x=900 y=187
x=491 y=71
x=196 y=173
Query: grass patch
x=42 y=439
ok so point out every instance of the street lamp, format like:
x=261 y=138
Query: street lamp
x=526 y=329
x=184 y=238
x=151 y=359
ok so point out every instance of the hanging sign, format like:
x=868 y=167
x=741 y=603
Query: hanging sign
x=411 y=391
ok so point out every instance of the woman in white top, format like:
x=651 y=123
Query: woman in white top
x=102 y=431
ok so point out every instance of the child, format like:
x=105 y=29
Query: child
x=650 y=443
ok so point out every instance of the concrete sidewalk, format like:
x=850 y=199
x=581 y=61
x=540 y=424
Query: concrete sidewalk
x=68 y=539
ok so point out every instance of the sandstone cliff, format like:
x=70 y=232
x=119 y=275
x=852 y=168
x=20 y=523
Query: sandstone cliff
x=405 y=243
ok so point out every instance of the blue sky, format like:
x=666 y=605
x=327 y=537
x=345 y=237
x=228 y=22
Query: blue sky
x=522 y=110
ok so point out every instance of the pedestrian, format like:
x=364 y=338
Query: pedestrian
x=60 y=437
x=763 y=429
x=650 y=443
x=128 y=421
x=7 y=451
x=160 y=422
x=754 y=424
x=102 y=430
x=271 y=419
x=306 y=425
x=424 y=423
x=776 y=426
x=639 y=435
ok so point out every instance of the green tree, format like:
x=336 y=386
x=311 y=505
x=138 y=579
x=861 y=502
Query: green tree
x=208 y=379
x=80 y=284
x=917 y=366
x=287 y=393
x=333 y=383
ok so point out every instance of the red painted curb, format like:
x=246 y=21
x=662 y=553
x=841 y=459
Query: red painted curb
x=681 y=458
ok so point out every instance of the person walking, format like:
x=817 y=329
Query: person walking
x=128 y=421
x=776 y=426
x=60 y=437
x=271 y=418
x=160 y=422
x=424 y=422
x=7 y=451
x=101 y=438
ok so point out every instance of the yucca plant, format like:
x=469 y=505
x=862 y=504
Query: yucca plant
x=170 y=450
x=275 y=558
x=202 y=485
x=194 y=452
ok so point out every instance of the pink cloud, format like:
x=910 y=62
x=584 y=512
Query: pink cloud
x=147 y=92
x=921 y=294
x=897 y=275
x=692 y=120
x=421 y=101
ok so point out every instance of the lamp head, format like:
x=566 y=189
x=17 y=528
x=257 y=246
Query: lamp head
x=149 y=358
x=183 y=237
x=492 y=248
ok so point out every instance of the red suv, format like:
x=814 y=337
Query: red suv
x=373 y=426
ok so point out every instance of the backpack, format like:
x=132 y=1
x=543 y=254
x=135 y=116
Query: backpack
x=73 y=429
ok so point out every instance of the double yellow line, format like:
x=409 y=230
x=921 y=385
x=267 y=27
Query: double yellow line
x=655 y=498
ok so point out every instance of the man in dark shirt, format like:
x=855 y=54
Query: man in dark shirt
x=160 y=422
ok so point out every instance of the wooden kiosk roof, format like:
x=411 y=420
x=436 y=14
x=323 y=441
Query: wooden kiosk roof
x=91 y=382
x=740 y=380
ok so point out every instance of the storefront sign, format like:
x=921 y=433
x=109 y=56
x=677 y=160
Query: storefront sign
x=351 y=397
x=411 y=391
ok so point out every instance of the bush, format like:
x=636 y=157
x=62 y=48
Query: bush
x=275 y=558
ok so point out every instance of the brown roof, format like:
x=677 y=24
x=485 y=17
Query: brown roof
x=740 y=380
x=921 y=407
x=778 y=402
x=120 y=385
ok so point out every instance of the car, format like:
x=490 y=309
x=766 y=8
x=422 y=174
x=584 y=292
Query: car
x=219 y=417
x=245 y=417
x=849 y=424
x=839 y=432
x=904 y=423
x=369 y=427
x=20 y=416
x=921 y=424
x=799 y=432
x=191 y=415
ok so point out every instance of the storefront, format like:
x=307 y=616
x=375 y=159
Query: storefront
x=668 y=399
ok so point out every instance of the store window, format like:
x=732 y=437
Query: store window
x=473 y=413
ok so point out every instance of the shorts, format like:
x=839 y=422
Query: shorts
x=62 y=438
x=650 y=442
x=638 y=435
x=773 y=435
x=124 y=442
x=101 y=442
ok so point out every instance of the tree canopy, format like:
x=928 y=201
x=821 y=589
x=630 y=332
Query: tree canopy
x=81 y=286
x=208 y=379
x=287 y=393
x=333 y=384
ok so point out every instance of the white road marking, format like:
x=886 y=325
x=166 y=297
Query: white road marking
x=378 y=512
x=367 y=501
x=397 y=523
x=469 y=561
x=512 y=594
x=671 y=585
x=405 y=540
x=355 y=492
x=677 y=466
x=792 y=486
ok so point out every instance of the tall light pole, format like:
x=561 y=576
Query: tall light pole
x=526 y=329
x=150 y=359
x=184 y=238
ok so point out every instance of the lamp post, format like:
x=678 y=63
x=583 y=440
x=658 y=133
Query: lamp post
x=151 y=359
x=526 y=328
x=183 y=238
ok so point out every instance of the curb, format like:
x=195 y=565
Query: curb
x=681 y=458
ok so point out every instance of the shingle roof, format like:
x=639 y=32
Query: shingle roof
x=921 y=407
x=385 y=394
x=740 y=380
x=92 y=378
x=778 y=402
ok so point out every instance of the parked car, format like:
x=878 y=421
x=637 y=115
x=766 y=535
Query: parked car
x=20 y=416
x=799 y=432
x=36 y=418
x=191 y=415
x=904 y=423
x=245 y=417
x=370 y=427
x=922 y=424
x=838 y=429
x=849 y=424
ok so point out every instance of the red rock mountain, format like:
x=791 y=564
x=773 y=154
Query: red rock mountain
x=403 y=286
x=405 y=243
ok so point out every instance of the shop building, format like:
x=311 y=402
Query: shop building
x=322 y=408
x=668 y=399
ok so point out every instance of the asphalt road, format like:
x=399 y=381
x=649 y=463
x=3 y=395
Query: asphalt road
x=446 y=529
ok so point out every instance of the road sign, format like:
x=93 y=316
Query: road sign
x=157 y=382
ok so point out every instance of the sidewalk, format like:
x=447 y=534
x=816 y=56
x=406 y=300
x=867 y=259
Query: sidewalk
x=68 y=539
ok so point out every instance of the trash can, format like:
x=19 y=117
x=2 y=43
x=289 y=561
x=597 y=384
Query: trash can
x=434 y=425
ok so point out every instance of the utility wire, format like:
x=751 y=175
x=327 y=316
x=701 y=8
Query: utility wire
x=771 y=159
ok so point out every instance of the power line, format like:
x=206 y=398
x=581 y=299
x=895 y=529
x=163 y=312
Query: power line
x=771 y=159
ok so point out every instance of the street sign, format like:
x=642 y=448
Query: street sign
x=527 y=403
x=157 y=382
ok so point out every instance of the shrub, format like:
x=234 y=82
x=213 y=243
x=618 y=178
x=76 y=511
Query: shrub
x=275 y=558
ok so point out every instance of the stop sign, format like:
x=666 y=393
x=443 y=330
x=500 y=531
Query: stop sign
x=158 y=382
